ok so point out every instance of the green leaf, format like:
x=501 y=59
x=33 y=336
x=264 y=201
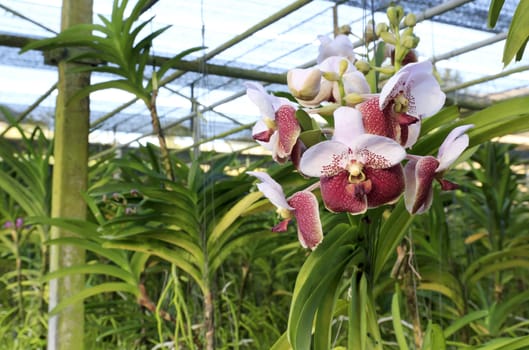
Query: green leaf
x=311 y=137
x=391 y=233
x=499 y=313
x=282 y=343
x=179 y=258
x=117 y=257
x=91 y=291
x=494 y=12
x=102 y=269
x=463 y=321
x=397 y=322
x=322 y=268
x=137 y=263
x=434 y=338
x=229 y=218
x=518 y=32
x=324 y=317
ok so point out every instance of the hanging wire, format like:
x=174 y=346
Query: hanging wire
x=18 y=14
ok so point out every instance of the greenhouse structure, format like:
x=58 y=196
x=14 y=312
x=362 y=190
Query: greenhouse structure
x=285 y=175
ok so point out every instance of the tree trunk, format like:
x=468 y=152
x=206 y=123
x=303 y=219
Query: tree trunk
x=66 y=329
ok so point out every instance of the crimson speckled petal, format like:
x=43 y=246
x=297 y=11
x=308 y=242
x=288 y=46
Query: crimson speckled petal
x=307 y=215
x=387 y=185
x=288 y=130
x=376 y=121
x=339 y=195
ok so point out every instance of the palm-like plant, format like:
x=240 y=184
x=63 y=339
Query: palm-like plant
x=24 y=183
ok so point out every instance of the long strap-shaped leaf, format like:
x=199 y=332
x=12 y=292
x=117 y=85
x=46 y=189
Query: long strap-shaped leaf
x=318 y=277
x=229 y=218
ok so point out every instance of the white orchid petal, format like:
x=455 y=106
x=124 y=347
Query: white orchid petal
x=339 y=46
x=453 y=146
x=392 y=87
x=414 y=130
x=411 y=184
x=326 y=158
x=348 y=125
x=261 y=99
x=355 y=82
x=271 y=189
x=332 y=64
x=427 y=97
x=259 y=127
x=378 y=152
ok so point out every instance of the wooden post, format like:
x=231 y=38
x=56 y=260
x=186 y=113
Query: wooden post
x=70 y=176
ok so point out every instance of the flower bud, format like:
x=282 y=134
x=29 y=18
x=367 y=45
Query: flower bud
x=19 y=222
x=407 y=31
x=388 y=70
x=304 y=83
x=331 y=76
x=395 y=14
x=8 y=224
x=410 y=41
x=380 y=28
x=327 y=110
x=344 y=64
x=369 y=34
x=410 y=20
x=388 y=38
x=362 y=66
x=353 y=99
x=345 y=29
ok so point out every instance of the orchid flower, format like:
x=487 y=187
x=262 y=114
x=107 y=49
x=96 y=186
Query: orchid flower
x=303 y=205
x=410 y=95
x=421 y=171
x=278 y=130
x=339 y=46
x=357 y=171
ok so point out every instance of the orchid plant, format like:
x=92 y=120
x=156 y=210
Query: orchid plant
x=362 y=158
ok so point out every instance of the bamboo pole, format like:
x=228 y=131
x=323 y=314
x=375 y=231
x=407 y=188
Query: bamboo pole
x=486 y=78
x=70 y=177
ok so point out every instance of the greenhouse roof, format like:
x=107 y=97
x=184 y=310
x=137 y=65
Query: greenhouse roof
x=242 y=40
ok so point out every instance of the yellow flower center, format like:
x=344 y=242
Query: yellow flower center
x=270 y=123
x=356 y=174
x=401 y=104
x=284 y=213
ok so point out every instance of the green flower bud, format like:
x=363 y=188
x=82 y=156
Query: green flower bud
x=388 y=38
x=331 y=76
x=410 y=20
x=388 y=70
x=362 y=66
x=395 y=15
x=400 y=13
x=407 y=31
x=381 y=28
x=410 y=41
x=369 y=34
x=344 y=64
x=327 y=111
x=391 y=12
x=353 y=99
